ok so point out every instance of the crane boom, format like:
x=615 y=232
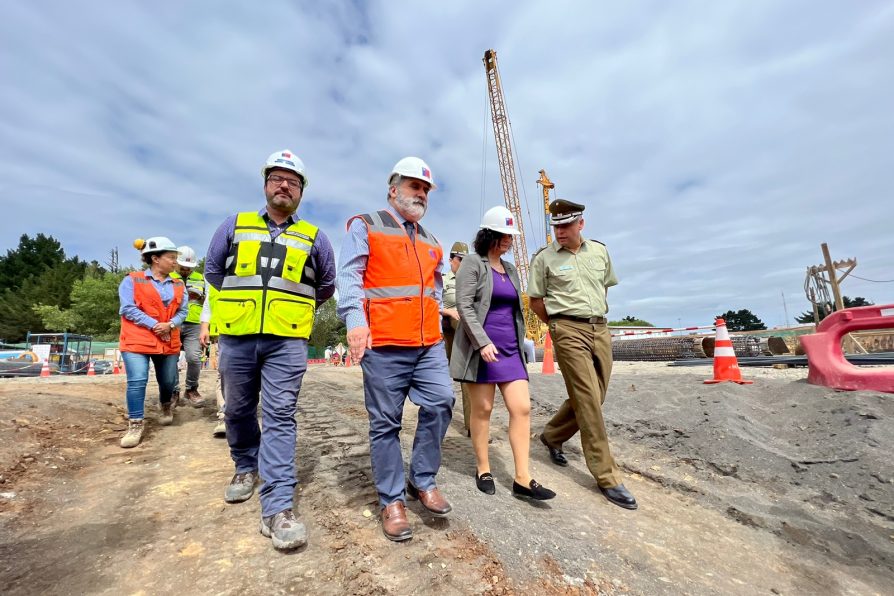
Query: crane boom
x=547 y=185
x=507 y=167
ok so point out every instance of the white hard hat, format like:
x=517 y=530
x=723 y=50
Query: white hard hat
x=186 y=257
x=500 y=219
x=413 y=167
x=286 y=160
x=154 y=244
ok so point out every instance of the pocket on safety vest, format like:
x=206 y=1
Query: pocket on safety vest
x=234 y=313
x=293 y=266
x=247 y=257
x=290 y=318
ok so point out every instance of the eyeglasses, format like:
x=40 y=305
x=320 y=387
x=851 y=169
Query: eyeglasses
x=455 y=255
x=277 y=180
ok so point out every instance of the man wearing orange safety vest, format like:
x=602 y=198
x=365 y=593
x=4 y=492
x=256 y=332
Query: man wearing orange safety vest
x=389 y=293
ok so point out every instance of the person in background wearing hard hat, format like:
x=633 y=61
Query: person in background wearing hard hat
x=272 y=270
x=153 y=307
x=189 y=334
x=450 y=319
x=389 y=294
x=488 y=351
x=208 y=338
x=568 y=288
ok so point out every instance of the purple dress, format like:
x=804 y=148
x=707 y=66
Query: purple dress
x=500 y=328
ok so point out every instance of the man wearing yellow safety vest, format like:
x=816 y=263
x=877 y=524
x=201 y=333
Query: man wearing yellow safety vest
x=208 y=334
x=189 y=334
x=272 y=270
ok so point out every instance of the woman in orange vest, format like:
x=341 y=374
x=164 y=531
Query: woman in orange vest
x=152 y=310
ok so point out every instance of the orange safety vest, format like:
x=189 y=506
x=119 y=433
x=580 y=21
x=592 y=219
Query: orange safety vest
x=399 y=283
x=138 y=339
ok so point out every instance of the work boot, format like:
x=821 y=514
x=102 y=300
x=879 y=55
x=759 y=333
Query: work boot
x=220 y=429
x=195 y=398
x=134 y=434
x=175 y=399
x=167 y=414
x=241 y=487
x=286 y=531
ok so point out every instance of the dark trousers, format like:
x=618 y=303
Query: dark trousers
x=269 y=369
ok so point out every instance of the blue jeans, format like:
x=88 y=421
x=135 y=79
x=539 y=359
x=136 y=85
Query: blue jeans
x=269 y=369
x=137 y=368
x=390 y=376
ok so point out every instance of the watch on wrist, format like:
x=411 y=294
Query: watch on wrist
x=173 y=325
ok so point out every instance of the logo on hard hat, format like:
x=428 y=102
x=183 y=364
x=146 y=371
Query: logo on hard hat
x=286 y=161
x=286 y=154
x=509 y=221
x=426 y=172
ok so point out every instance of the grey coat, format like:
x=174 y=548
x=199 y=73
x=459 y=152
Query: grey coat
x=474 y=286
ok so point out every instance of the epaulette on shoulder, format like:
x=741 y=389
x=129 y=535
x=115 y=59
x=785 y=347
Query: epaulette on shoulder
x=597 y=241
x=538 y=251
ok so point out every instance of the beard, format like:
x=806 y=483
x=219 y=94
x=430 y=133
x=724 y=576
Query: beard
x=411 y=207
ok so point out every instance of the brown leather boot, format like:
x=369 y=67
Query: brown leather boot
x=395 y=525
x=195 y=398
x=431 y=499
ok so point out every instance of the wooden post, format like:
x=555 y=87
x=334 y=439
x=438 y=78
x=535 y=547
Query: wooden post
x=833 y=277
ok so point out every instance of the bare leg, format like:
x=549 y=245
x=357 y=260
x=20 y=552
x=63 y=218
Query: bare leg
x=482 y=395
x=518 y=403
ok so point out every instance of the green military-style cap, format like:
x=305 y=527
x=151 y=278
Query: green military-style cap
x=459 y=249
x=563 y=211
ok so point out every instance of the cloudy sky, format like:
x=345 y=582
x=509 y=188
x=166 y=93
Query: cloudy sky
x=715 y=144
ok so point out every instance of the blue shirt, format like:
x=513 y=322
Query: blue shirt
x=351 y=267
x=165 y=288
x=322 y=256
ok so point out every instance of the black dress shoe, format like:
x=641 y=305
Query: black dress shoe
x=555 y=454
x=485 y=483
x=533 y=491
x=620 y=496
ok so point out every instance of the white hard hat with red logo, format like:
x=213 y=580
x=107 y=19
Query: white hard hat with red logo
x=186 y=257
x=286 y=160
x=500 y=219
x=412 y=167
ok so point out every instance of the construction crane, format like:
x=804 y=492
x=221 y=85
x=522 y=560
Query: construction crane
x=547 y=185
x=503 y=138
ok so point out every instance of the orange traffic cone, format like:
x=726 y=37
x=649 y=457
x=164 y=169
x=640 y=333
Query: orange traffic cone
x=726 y=367
x=91 y=372
x=549 y=367
x=348 y=359
x=45 y=369
x=116 y=370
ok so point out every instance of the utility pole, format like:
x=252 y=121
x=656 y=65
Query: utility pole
x=833 y=278
x=785 y=308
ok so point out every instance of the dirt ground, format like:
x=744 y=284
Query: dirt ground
x=774 y=488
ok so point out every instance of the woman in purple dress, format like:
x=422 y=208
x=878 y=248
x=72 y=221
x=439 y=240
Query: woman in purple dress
x=488 y=354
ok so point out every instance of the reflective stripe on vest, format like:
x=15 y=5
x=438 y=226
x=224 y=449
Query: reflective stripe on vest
x=212 y=298
x=399 y=283
x=140 y=340
x=270 y=285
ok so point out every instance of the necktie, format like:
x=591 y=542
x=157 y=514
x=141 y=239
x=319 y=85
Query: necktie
x=411 y=231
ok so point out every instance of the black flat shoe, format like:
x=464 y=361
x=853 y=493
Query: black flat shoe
x=534 y=491
x=485 y=483
x=620 y=496
x=555 y=454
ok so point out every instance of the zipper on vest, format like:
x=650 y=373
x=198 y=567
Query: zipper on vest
x=266 y=273
x=421 y=293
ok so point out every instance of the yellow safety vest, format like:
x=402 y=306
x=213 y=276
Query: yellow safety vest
x=269 y=285
x=196 y=283
x=212 y=324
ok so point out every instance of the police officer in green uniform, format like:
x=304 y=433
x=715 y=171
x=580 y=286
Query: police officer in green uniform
x=189 y=334
x=568 y=289
x=450 y=317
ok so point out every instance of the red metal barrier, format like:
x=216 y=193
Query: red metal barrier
x=825 y=360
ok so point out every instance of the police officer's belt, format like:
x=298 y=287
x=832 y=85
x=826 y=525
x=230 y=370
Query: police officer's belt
x=590 y=320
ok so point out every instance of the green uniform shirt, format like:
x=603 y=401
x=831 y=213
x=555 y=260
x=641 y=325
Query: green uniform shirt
x=449 y=296
x=570 y=283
